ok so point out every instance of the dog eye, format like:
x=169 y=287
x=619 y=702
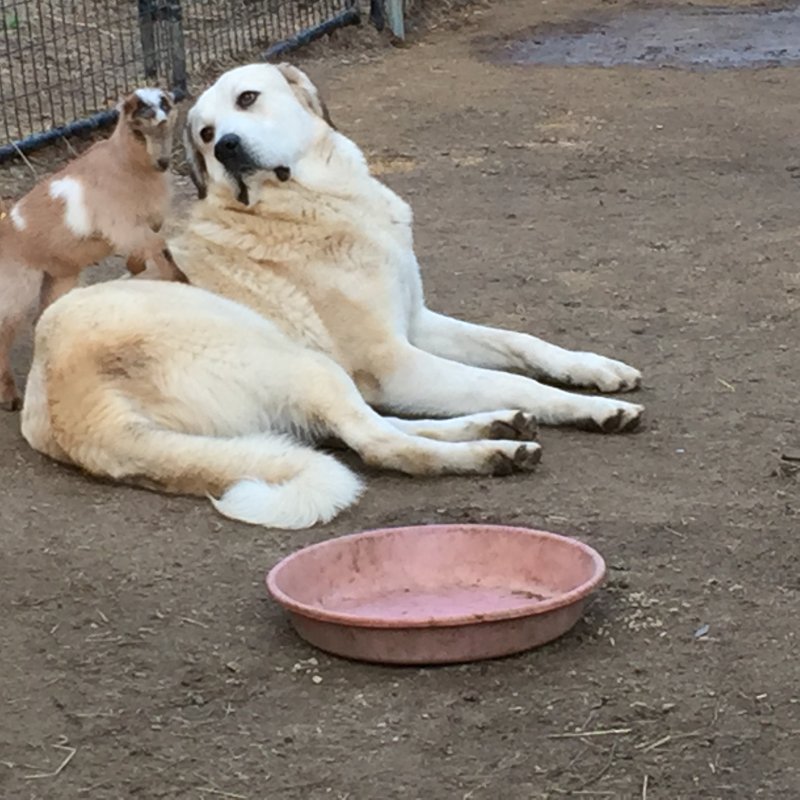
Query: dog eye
x=207 y=134
x=165 y=106
x=246 y=99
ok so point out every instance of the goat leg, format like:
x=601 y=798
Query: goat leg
x=159 y=267
x=19 y=288
x=168 y=269
x=10 y=399
x=52 y=288
x=152 y=260
x=135 y=265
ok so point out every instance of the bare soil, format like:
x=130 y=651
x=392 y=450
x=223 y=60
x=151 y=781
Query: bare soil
x=647 y=214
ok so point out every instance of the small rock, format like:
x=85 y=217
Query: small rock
x=701 y=631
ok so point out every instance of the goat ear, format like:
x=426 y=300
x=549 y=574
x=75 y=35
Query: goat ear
x=197 y=164
x=127 y=106
x=305 y=91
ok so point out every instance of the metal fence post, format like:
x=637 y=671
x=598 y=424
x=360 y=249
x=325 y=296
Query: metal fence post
x=167 y=14
x=395 y=12
x=147 y=33
x=173 y=17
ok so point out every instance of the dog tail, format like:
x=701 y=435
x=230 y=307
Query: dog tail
x=318 y=488
x=263 y=479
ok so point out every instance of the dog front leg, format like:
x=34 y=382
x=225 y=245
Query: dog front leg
x=494 y=348
x=423 y=383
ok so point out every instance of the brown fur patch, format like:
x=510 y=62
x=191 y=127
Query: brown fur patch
x=366 y=382
x=129 y=361
x=199 y=481
x=145 y=482
x=135 y=265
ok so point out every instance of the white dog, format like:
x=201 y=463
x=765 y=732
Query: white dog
x=305 y=313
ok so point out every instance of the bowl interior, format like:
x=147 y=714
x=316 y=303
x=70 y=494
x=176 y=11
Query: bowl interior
x=438 y=574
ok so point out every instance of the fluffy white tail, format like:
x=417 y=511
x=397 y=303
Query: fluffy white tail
x=316 y=494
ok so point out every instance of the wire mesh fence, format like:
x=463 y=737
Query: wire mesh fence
x=64 y=63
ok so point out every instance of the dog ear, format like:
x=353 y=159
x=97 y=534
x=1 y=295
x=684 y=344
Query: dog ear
x=305 y=91
x=197 y=163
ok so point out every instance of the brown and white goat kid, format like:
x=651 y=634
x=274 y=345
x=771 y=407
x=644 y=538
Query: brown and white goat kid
x=111 y=200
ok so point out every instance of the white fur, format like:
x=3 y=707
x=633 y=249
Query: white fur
x=153 y=98
x=314 y=496
x=76 y=213
x=465 y=428
x=150 y=95
x=17 y=220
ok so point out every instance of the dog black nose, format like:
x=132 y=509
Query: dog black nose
x=162 y=164
x=228 y=150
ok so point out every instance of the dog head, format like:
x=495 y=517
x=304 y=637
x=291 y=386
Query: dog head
x=150 y=116
x=252 y=126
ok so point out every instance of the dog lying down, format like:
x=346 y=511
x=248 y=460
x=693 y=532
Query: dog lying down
x=304 y=314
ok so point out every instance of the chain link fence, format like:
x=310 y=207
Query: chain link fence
x=65 y=63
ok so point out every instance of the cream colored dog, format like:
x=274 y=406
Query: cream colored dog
x=305 y=313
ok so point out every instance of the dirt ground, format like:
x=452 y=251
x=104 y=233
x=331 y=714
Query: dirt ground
x=647 y=214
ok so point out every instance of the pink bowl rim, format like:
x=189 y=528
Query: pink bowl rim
x=351 y=620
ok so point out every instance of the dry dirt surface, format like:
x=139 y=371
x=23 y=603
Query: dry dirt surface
x=647 y=214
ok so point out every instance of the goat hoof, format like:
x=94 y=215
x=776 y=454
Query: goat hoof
x=9 y=394
x=13 y=404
